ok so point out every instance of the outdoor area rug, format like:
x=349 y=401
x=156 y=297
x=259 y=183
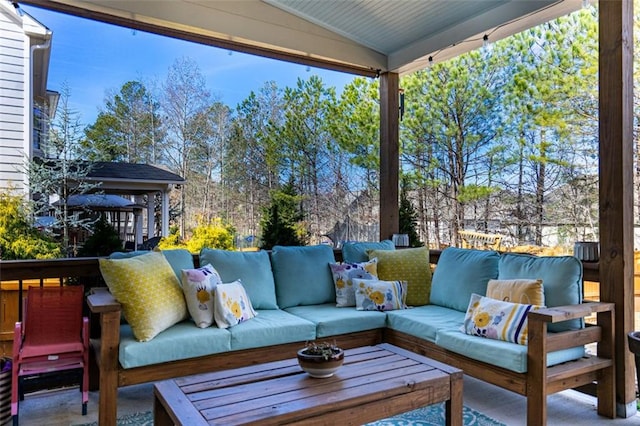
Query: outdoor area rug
x=432 y=415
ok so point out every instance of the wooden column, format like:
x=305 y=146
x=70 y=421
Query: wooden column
x=616 y=185
x=389 y=155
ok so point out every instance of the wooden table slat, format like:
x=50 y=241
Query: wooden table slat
x=300 y=405
x=311 y=386
x=349 y=370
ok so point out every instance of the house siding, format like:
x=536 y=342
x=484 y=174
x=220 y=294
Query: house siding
x=12 y=105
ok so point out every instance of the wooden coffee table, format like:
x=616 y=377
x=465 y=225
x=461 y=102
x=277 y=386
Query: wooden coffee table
x=375 y=382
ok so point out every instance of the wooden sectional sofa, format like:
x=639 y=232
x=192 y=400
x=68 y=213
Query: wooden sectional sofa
x=535 y=382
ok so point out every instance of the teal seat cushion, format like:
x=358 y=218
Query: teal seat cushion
x=180 y=341
x=252 y=268
x=425 y=321
x=358 y=251
x=302 y=275
x=461 y=272
x=271 y=327
x=561 y=279
x=331 y=320
x=511 y=356
x=179 y=259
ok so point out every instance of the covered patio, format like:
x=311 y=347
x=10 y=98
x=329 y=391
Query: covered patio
x=386 y=39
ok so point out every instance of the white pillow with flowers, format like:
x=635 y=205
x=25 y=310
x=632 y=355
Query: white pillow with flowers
x=343 y=276
x=232 y=305
x=198 y=286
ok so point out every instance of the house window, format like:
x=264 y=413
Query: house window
x=39 y=127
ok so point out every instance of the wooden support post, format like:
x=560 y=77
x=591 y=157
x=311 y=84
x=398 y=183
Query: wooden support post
x=389 y=155
x=616 y=185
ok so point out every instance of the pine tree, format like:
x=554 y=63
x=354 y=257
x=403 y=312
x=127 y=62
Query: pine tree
x=408 y=217
x=282 y=219
x=104 y=240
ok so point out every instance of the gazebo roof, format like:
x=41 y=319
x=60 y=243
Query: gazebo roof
x=100 y=202
x=131 y=178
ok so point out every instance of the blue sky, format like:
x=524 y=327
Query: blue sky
x=94 y=58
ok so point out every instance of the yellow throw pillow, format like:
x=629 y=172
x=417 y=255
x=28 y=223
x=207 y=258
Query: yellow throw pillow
x=410 y=265
x=148 y=290
x=528 y=292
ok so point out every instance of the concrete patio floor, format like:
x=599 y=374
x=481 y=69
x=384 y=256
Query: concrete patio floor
x=63 y=407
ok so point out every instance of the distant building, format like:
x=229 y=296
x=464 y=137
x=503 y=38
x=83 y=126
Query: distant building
x=27 y=108
x=25 y=102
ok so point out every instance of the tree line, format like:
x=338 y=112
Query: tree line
x=501 y=140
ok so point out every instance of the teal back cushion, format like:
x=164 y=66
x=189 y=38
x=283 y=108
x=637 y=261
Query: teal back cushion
x=561 y=279
x=461 y=272
x=253 y=268
x=179 y=259
x=357 y=252
x=302 y=275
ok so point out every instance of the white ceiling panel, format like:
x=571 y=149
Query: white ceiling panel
x=358 y=36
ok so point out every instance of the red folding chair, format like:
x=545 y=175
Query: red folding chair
x=53 y=336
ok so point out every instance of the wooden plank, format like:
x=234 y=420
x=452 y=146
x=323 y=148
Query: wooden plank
x=108 y=395
x=102 y=301
x=370 y=412
x=616 y=184
x=537 y=374
x=292 y=380
x=568 y=312
x=606 y=391
x=570 y=339
x=454 y=405
x=389 y=155
x=244 y=397
x=270 y=369
x=572 y=382
x=584 y=365
x=171 y=406
x=295 y=408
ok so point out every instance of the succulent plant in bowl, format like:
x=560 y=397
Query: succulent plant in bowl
x=320 y=359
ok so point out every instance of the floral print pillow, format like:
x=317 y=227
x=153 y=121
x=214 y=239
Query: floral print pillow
x=232 y=305
x=376 y=295
x=198 y=286
x=343 y=276
x=496 y=319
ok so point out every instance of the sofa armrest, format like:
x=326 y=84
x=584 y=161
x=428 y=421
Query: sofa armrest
x=542 y=380
x=541 y=342
x=569 y=312
x=102 y=301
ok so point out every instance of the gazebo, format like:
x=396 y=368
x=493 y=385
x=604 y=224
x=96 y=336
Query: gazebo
x=385 y=39
x=142 y=182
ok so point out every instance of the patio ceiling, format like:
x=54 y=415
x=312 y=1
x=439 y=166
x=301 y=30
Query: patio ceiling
x=364 y=37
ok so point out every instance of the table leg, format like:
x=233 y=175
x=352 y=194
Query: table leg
x=453 y=407
x=160 y=415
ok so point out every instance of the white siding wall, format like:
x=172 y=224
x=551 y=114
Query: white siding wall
x=12 y=103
